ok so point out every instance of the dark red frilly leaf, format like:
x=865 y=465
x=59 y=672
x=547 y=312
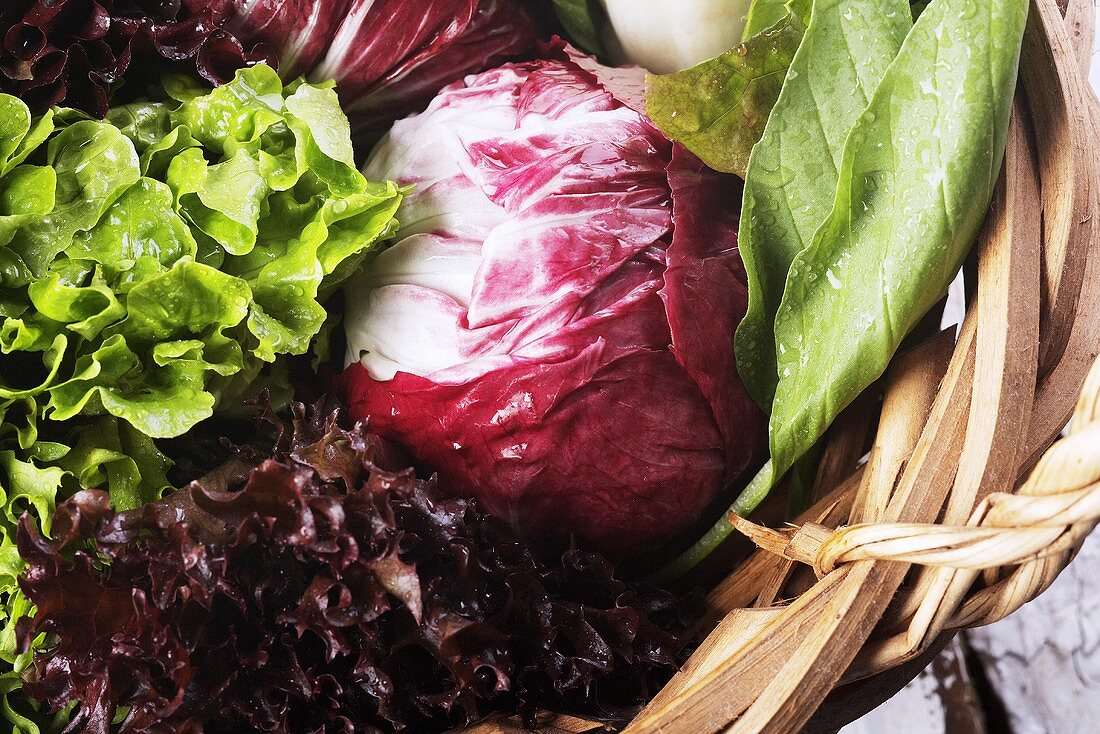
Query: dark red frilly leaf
x=388 y=57
x=314 y=585
x=86 y=53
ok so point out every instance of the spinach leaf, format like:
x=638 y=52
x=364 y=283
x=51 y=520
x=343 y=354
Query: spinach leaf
x=916 y=175
x=718 y=108
x=792 y=172
x=583 y=21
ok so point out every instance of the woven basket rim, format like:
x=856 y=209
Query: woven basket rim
x=975 y=512
x=947 y=500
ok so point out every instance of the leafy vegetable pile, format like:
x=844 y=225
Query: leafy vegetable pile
x=154 y=258
x=152 y=264
x=322 y=592
x=866 y=189
x=557 y=330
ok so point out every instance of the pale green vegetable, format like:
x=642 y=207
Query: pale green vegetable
x=665 y=37
x=792 y=171
x=916 y=175
x=718 y=108
x=151 y=265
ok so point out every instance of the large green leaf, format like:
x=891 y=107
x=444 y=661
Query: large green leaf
x=916 y=175
x=792 y=172
x=324 y=138
x=235 y=115
x=26 y=194
x=127 y=233
x=584 y=21
x=94 y=164
x=188 y=300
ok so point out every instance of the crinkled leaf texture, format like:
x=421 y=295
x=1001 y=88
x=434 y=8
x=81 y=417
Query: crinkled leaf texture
x=388 y=57
x=157 y=256
x=86 y=54
x=553 y=330
x=39 y=462
x=152 y=263
x=307 y=588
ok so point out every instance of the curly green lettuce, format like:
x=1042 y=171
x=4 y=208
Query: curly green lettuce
x=151 y=265
x=151 y=260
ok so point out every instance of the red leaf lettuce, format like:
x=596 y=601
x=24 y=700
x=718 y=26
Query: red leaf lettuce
x=77 y=53
x=305 y=588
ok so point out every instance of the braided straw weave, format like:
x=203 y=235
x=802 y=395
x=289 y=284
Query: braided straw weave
x=945 y=498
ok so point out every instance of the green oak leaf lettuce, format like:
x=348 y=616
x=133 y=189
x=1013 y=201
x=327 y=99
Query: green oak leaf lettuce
x=151 y=258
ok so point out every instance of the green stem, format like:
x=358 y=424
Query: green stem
x=745 y=503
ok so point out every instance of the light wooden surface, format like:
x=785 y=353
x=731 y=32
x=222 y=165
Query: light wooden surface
x=1044 y=663
x=1038 y=672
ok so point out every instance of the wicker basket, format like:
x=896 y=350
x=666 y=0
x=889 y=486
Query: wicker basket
x=966 y=508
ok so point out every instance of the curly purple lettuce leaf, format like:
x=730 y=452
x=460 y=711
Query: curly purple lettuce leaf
x=81 y=53
x=307 y=586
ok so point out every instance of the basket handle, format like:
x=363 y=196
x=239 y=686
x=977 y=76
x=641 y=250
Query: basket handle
x=1010 y=534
